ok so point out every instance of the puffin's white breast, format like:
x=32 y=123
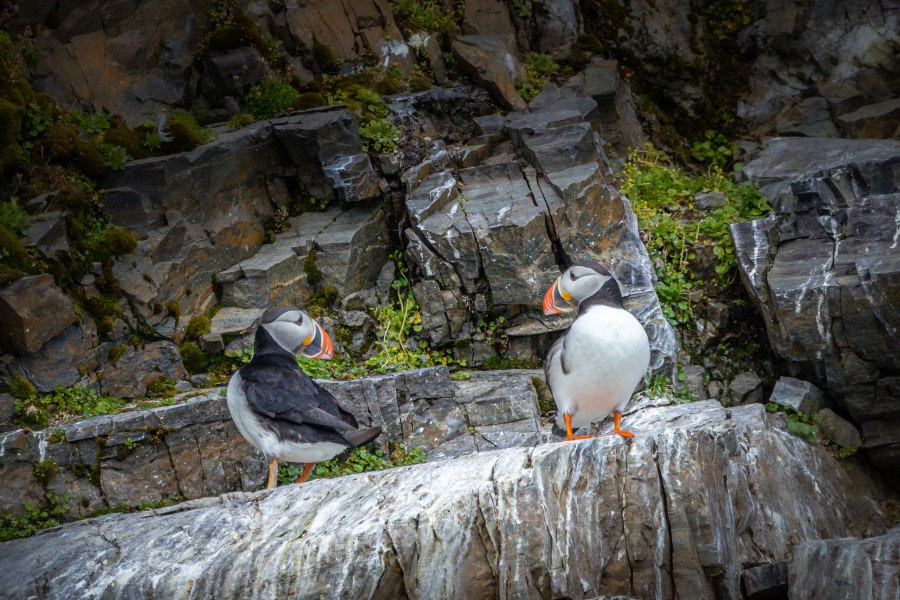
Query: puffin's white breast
x=606 y=355
x=265 y=440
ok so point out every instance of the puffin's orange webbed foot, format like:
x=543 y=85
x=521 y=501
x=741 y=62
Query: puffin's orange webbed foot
x=569 y=435
x=272 y=483
x=307 y=468
x=618 y=420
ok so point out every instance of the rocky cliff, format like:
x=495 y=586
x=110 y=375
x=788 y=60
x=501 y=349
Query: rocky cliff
x=703 y=499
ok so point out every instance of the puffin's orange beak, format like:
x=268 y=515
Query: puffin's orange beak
x=320 y=347
x=555 y=301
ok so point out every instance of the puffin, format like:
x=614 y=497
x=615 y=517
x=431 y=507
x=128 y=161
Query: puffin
x=279 y=409
x=595 y=367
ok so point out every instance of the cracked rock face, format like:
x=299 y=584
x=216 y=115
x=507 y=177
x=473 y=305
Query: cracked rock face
x=824 y=270
x=694 y=500
x=504 y=213
x=193 y=450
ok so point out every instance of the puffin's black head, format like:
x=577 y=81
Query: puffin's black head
x=292 y=330
x=580 y=282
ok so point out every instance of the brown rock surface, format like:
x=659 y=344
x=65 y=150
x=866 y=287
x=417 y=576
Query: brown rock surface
x=33 y=310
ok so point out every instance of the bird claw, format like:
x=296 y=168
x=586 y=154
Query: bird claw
x=623 y=433
x=570 y=438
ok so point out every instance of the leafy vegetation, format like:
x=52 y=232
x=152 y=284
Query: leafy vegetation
x=379 y=135
x=37 y=410
x=13 y=217
x=798 y=423
x=35 y=518
x=659 y=386
x=240 y=120
x=539 y=69
x=426 y=15
x=270 y=98
x=683 y=240
x=358 y=460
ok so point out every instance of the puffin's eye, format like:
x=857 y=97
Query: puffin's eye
x=572 y=275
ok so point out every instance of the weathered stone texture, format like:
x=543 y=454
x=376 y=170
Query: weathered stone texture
x=676 y=513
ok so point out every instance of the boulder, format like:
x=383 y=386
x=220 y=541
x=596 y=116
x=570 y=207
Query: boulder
x=7 y=412
x=64 y=360
x=801 y=396
x=824 y=270
x=879 y=120
x=273 y=276
x=196 y=220
x=847 y=568
x=766 y=581
x=231 y=321
x=837 y=429
x=746 y=388
x=231 y=74
x=488 y=60
x=489 y=17
x=129 y=376
x=47 y=233
x=326 y=152
x=33 y=310
x=512 y=522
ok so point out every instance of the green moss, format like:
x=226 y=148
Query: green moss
x=240 y=120
x=116 y=352
x=195 y=361
x=197 y=327
x=21 y=389
x=324 y=298
x=237 y=30
x=309 y=100
x=45 y=470
x=313 y=274
x=270 y=98
x=129 y=139
x=500 y=363
x=164 y=387
x=118 y=241
x=13 y=255
x=11 y=116
x=89 y=472
x=35 y=518
x=323 y=56
x=174 y=309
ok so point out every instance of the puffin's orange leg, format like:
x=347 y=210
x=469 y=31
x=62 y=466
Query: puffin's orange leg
x=618 y=421
x=569 y=436
x=307 y=468
x=273 y=474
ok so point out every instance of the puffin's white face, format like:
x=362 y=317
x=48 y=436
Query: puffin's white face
x=574 y=285
x=296 y=331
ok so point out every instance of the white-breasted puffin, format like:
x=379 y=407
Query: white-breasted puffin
x=279 y=409
x=595 y=367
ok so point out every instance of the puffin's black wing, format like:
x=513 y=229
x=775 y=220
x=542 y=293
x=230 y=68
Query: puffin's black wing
x=291 y=395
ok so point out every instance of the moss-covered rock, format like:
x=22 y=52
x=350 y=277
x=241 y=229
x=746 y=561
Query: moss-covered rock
x=118 y=241
x=323 y=56
x=127 y=138
x=309 y=100
x=195 y=361
x=197 y=327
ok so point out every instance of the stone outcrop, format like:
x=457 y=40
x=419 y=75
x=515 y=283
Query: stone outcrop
x=33 y=310
x=847 y=568
x=493 y=65
x=481 y=221
x=193 y=450
x=682 y=511
x=823 y=270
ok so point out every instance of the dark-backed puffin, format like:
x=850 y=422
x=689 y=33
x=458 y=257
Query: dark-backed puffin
x=595 y=367
x=279 y=409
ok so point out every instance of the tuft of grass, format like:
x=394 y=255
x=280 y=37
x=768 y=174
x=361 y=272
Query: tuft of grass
x=270 y=98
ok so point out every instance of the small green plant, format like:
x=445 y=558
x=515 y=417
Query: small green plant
x=798 y=423
x=30 y=52
x=93 y=125
x=14 y=217
x=56 y=436
x=193 y=358
x=358 y=460
x=659 y=386
x=130 y=444
x=45 y=470
x=715 y=150
x=197 y=326
x=185 y=129
x=152 y=141
x=35 y=518
x=115 y=157
x=164 y=387
x=240 y=120
x=539 y=69
x=269 y=98
x=379 y=135
x=675 y=231
x=427 y=15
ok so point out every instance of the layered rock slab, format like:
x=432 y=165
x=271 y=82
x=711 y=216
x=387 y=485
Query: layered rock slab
x=679 y=512
x=824 y=270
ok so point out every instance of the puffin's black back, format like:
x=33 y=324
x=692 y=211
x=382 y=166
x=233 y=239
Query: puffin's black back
x=297 y=407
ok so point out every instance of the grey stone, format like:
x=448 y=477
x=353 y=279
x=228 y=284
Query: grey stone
x=710 y=200
x=766 y=581
x=212 y=343
x=846 y=568
x=33 y=310
x=488 y=60
x=232 y=321
x=7 y=412
x=47 y=233
x=694 y=379
x=823 y=268
x=231 y=74
x=746 y=388
x=837 y=429
x=810 y=117
x=327 y=152
x=273 y=276
x=800 y=395
x=879 y=120
x=140 y=367
x=63 y=359
x=486 y=509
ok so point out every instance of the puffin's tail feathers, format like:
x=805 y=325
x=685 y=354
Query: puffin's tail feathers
x=358 y=437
